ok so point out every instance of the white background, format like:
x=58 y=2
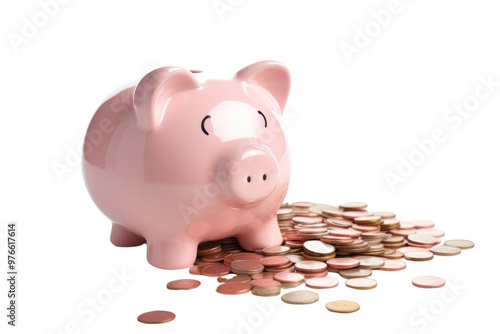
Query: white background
x=349 y=121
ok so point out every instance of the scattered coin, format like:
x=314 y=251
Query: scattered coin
x=428 y=282
x=300 y=297
x=361 y=283
x=460 y=243
x=342 y=306
x=233 y=288
x=419 y=256
x=183 y=284
x=446 y=250
x=322 y=282
x=156 y=317
x=393 y=265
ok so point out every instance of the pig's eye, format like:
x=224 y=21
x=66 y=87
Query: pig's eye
x=203 y=124
x=265 y=120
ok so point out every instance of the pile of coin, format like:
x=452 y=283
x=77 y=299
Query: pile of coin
x=318 y=239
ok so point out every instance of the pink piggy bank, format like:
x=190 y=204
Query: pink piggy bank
x=174 y=161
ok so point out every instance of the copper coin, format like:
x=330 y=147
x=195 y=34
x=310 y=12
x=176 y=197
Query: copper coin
x=219 y=257
x=355 y=273
x=330 y=239
x=422 y=223
x=345 y=233
x=300 y=297
x=263 y=276
x=233 y=288
x=246 y=256
x=275 y=261
x=361 y=283
x=343 y=263
x=366 y=228
x=216 y=270
x=265 y=283
x=156 y=317
x=276 y=250
x=460 y=243
x=235 y=279
x=208 y=248
x=196 y=270
x=311 y=266
x=322 y=282
x=428 y=282
x=406 y=225
x=342 y=306
x=246 y=267
x=446 y=250
x=289 y=277
x=183 y=284
x=393 y=265
x=419 y=256
x=424 y=239
x=353 y=205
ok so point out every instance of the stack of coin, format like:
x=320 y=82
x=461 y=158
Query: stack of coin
x=285 y=216
x=277 y=264
x=266 y=287
x=209 y=248
x=246 y=267
x=230 y=245
x=311 y=269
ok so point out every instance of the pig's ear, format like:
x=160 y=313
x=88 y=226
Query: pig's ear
x=153 y=92
x=273 y=76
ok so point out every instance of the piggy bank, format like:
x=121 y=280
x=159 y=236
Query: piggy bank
x=175 y=161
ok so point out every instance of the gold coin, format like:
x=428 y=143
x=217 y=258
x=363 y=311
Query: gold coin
x=342 y=306
x=460 y=243
x=368 y=220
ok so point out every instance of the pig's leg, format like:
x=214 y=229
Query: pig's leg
x=175 y=253
x=123 y=237
x=261 y=235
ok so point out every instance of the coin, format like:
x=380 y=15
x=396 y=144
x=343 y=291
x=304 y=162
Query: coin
x=424 y=239
x=289 y=277
x=304 y=205
x=384 y=214
x=446 y=250
x=368 y=220
x=422 y=223
x=216 y=270
x=209 y=248
x=246 y=267
x=355 y=214
x=319 y=247
x=311 y=266
x=265 y=283
x=300 y=297
x=460 y=243
x=370 y=262
x=264 y=275
x=431 y=231
x=318 y=208
x=233 y=288
x=156 y=317
x=345 y=233
x=267 y=291
x=183 y=284
x=307 y=220
x=343 y=263
x=322 y=282
x=353 y=205
x=402 y=232
x=235 y=279
x=428 y=282
x=419 y=256
x=276 y=250
x=246 y=256
x=393 y=265
x=275 y=261
x=361 y=283
x=355 y=273
x=342 y=306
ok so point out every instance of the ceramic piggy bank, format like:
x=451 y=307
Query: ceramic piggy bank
x=175 y=161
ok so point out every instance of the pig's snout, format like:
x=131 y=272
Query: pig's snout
x=253 y=176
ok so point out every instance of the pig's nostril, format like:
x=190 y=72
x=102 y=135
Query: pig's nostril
x=249 y=179
x=264 y=177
